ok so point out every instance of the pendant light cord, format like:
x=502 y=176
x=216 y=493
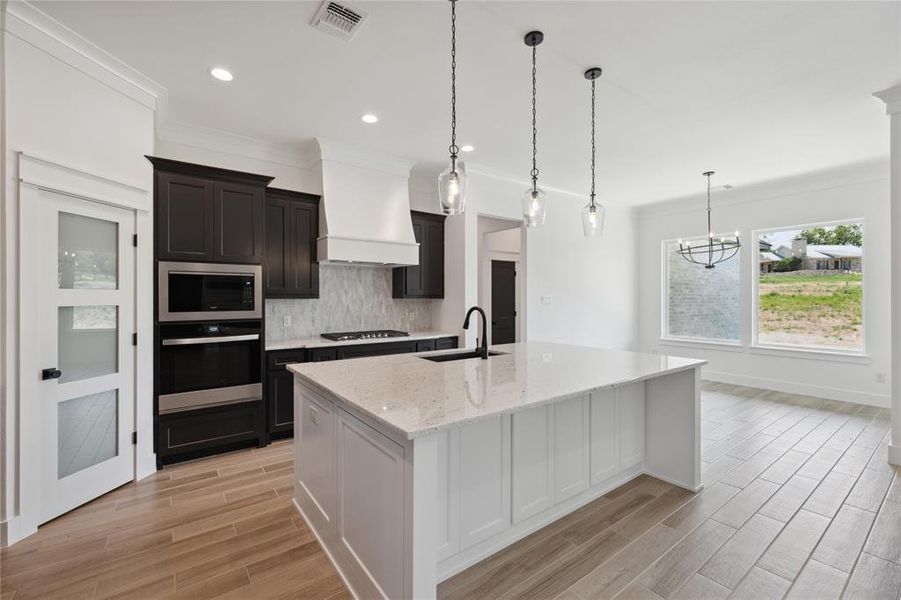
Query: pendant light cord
x=534 y=124
x=709 y=226
x=592 y=141
x=453 y=146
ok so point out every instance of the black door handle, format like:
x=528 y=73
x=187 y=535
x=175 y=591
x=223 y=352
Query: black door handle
x=51 y=373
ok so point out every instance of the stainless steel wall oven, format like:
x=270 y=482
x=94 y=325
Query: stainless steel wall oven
x=209 y=364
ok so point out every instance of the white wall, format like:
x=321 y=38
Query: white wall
x=592 y=283
x=851 y=192
x=291 y=167
x=83 y=115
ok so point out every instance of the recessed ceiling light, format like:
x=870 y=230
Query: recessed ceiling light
x=221 y=74
x=369 y=118
x=467 y=148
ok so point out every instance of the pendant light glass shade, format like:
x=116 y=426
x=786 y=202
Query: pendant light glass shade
x=533 y=207
x=452 y=188
x=593 y=220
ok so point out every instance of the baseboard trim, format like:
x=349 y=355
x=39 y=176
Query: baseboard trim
x=894 y=454
x=15 y=530
x=789 y=387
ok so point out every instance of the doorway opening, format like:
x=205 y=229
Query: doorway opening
x=500 y=278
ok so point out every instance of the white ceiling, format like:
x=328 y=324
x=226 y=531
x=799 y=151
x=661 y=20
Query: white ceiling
x=754 y=90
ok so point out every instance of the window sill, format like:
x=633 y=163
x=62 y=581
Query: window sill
x=701 y=343
x=811 y=353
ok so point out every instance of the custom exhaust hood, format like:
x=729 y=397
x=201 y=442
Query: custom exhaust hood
x=365 y=210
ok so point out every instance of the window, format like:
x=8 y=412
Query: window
x=701 y=304
x=809 y=288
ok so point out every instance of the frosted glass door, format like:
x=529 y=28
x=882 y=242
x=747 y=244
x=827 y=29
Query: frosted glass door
x=84 y=271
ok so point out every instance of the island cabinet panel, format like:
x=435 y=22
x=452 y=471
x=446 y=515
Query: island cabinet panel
x=484 y=479
x=447 y=507
x=532 y=434
x=604 y=436
x=571 y=462
x=631 y=400
x=315 y=457
x=370 y=483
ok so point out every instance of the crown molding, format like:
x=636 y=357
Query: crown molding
x=892 y=98
x=303 y=156
x=783 y=187
x=24 y=21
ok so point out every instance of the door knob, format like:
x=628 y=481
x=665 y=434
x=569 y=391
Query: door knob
x=51 y=373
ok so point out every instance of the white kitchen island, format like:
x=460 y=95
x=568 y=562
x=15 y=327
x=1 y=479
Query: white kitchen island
x=409 y=471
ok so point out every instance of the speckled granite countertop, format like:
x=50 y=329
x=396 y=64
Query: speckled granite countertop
x=319 y=342
x=412 y=396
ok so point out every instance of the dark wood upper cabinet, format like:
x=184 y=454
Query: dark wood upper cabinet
x=208 y=214
x=184 y=217
x=292 y=229
x=425 y=280
x=238 y=222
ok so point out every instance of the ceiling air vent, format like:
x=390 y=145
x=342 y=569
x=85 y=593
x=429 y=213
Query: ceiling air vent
x=338 y=19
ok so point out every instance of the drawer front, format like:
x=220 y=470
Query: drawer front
x=446 y=343
x=277 y=360
x=425 y=345
x=208 y=428
x=322 y=354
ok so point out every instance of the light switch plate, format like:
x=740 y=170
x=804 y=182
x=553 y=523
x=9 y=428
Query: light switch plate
x=545 y=299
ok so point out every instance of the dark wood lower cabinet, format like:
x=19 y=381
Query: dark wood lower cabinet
x=190 y=434
x=279 y=387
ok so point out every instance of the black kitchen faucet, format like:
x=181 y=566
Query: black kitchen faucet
x=483 y=349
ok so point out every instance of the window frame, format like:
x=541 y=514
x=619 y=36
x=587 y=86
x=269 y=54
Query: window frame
x=796 y=349
x=665 y=337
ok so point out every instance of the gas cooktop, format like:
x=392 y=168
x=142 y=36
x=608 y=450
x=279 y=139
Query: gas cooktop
x=364 y=335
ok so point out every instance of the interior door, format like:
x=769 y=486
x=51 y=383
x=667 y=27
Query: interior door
x=82 y=371
x=503 y=302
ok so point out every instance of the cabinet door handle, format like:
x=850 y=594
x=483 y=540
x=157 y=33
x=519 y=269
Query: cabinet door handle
x=51 y=373
x=210 y=340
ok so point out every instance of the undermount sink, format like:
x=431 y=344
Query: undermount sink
x=459 y=355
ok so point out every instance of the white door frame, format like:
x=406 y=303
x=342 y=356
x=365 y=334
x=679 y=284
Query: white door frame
x=35 y=174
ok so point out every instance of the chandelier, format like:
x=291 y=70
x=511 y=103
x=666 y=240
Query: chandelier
x=711 y=252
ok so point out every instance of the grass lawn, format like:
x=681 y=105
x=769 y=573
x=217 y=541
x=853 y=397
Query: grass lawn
x=811 y=310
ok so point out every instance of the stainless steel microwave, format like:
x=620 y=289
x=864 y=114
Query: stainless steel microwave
x=209 y=291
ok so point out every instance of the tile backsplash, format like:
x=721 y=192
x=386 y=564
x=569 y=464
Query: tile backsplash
x=351 y=298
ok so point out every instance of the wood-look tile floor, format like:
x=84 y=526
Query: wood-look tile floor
x=799 y=502
x=221 y=527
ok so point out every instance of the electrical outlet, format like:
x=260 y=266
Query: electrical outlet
x=880 y=377
x=411 y=315
x=286 y=321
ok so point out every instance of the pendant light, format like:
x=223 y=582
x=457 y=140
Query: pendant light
x=533 y=199
x=593 y=213
x=711 y=252
x=452 y=182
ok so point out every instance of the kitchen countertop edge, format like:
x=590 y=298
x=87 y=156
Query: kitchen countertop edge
x=318 y=342
x=415 y=433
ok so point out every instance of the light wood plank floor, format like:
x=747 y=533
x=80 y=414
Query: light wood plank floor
x=799 y=502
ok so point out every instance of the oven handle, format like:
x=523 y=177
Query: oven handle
x=210 y=340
